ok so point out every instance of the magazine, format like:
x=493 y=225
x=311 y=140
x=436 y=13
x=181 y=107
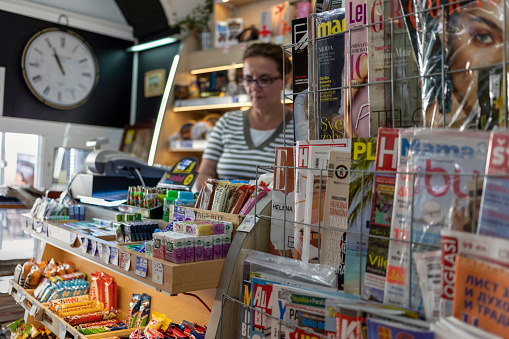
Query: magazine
x=333 y=245
x=453 y=243
x=326 y=59
x=300 y=78
x=302 y=157
x=245 y=312
x=494 y=212
x=360 y=201
x=427 y=203
x=382 y=329
x=261 y=291
x=283 y=203
x=481 y=304
x=381 y=214
x=395 y=96
x=356 y=71
x=453 y=101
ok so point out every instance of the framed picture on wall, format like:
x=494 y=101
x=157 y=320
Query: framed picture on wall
x=155 y=81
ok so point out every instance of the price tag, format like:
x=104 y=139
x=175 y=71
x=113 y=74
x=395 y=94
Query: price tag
x=125 y=260
x=72 y=238
x=84 y=245
x=33 y=310
x=62 y=331
x=157 y=272
x=99 y=252
x=247 y=224
x=141 y=267
x=114 y=256
x=106 y=253
x=94 y=247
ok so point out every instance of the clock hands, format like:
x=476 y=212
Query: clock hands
x=58 y=61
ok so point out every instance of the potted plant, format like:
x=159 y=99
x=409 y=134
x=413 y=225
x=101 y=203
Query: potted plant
x=198 y=21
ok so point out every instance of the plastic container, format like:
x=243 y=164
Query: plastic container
x=168 y=201
x=185 y=199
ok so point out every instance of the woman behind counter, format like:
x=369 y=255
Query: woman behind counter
x=243 y=139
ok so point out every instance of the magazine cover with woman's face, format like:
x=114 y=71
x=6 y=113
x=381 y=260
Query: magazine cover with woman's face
x=467 y=38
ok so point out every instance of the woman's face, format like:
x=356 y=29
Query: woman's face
x=475 y=38
x=262 y=67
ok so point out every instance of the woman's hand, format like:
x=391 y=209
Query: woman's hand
x=207 y=170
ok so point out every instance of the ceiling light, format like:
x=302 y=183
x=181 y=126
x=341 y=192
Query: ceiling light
x=152 y=44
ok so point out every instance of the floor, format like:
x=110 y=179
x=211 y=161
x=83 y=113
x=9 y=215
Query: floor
x=15 y=248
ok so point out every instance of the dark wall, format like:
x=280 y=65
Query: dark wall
x=155 y=58
x=110 y=101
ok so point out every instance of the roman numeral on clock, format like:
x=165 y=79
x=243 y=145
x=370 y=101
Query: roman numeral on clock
x=62 y=42
x=46 y=90
x=49 y=43
x=36 y=79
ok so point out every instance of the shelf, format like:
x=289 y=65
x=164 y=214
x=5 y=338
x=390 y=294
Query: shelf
x=186 y=150
x=177 y=278
x=213 y=103
x=42 y=313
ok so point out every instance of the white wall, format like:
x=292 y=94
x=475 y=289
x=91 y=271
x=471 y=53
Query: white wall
x=56 y=134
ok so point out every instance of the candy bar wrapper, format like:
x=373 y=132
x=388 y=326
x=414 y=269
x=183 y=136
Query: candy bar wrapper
x=96 y=287
x=89 y=317
x=96 y=306
x=260 y=192
x=198 y=249
x=151 y=333
x=134 y=308
x=110 y=293
x=144 y=312
x=158 y=322
x=137 y=334
x=208 y=194
x=208 y=248
x=220 y=197
x=242 y=189
x=205 y=229
x=243 y=198
x=217 y=246
x=100 y=323
x=232 y=192
x=18 y=271
x=189 y=249
x=72 y=300
x=200 y=196
x=227 y=240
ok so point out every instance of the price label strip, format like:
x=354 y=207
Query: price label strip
x=125 y=260
x=106 y=253
x=84 y=245
x=157 y=272
x=247 y=224
x=62 y=331
x=141 y=267
x=114 y=256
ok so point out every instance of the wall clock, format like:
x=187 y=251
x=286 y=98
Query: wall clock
x=60 y=68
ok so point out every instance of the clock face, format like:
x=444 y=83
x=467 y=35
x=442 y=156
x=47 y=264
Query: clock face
x=60 y=68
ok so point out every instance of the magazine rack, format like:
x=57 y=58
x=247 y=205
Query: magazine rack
x=400 y=112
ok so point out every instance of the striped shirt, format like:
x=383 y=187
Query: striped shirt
x=230 y=144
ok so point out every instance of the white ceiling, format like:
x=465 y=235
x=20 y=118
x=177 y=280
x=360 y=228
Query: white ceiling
x=100 y=9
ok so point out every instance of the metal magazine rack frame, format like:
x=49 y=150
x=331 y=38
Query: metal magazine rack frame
x=395 y=115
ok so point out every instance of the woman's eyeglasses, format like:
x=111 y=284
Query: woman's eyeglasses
x=262 y=82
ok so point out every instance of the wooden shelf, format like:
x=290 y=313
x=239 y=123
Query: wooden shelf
x=186 y=150
x=213 y=107
x=41 y=312
x=177 y=278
